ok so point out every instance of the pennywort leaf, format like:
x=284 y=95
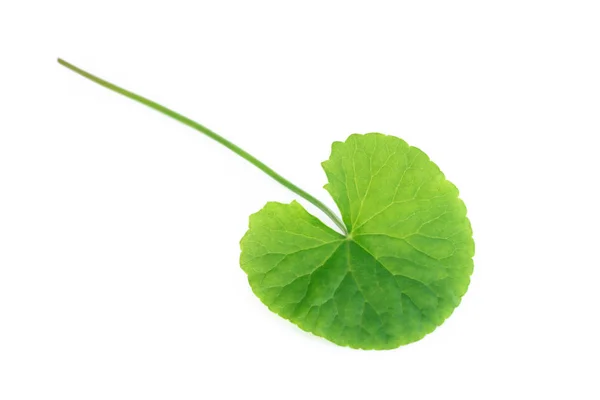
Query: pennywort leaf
x=398 y=269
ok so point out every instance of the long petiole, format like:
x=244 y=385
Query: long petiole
x=192 y=124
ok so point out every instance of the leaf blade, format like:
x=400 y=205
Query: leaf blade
x=400 y=272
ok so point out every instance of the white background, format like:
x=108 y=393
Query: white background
x=119 y=228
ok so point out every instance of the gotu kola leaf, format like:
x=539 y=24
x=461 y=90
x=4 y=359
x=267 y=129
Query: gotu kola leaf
x=398 y=270
x=398 y=273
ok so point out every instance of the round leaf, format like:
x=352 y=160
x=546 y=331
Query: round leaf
x=398 y=274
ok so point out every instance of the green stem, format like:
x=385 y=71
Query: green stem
x=192 y=124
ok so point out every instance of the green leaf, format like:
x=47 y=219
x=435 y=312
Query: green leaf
x=398 y=274
x=399 y=269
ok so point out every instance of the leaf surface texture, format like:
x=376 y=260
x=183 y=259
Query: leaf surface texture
x=399 y=273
